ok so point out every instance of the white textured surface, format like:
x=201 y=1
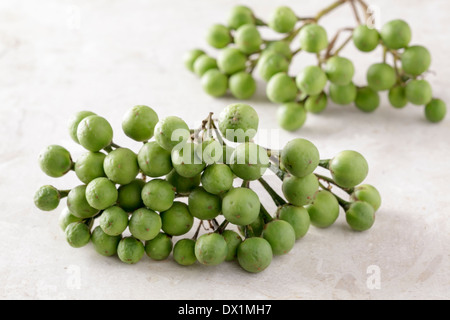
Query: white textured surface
x=58 y=57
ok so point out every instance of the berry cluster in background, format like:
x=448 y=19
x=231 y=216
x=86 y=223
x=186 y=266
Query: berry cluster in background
x=243 y=52
x=131 y=204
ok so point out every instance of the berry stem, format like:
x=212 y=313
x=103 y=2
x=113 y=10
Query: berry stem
x=279 y=201
x=63 y=193
x=344 y=204
x=220 y=229
x=116 y=146
x=331 y=181
x=200 y=224
x=265 y=214
x=328 y=9
x=325 y=163
x=355 y=11
x=278 y=172
x=108 y=149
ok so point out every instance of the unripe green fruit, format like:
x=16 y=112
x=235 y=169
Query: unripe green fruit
x=249 y=161
x=339 y=70
x=396 y=34
x=211 y=249
x=160 y=247
x=366 y=39
x=94 y=133
x=170 y=132
x=348 y=168
x=300 y=191
x=283 y=20
x=55 y=161
x=78 y=234
x=186 y=162
x=130 y=250
x=75 y=120
x=416 y=60
x=158 y=195
x=281 y=88
x=101 y=193
x=184 y=252
x=145 y=224
x=203 y=205
x=139 y=123
x=233 y=240
x=343 y=95
x=367 y=100
x=248 y=39
x=203 y=64
x=313 y=38
x=154 y=160
x=297 y=217
x=311 y=80
x=280 y=47
x=360 y=216
x=190 y=57
x=238 y=122
x=435 y=110
x=217 y=178
x=419 y=92
x=215 y=83
x=324 y=209
x=129 y=197
x=291 y=116
x=239 y=16
x=121 y=166
x=300 y=157
x=367 y=193
x=114 y=221
x=254 y=255
x=381 y=77
x=270 y=64
x=181 y=184
x=90 y=166
x=218 y=36
x=78 y=204
x=242 y=85
x=241 y=206
x=397 y=97
x=316 y=104
x=104 y=244
x=231 y=60
x=280 y=235
x=66 y=218
x=177 y=220
x=47 y=198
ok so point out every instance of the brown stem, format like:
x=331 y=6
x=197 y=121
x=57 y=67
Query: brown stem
x=355 y=11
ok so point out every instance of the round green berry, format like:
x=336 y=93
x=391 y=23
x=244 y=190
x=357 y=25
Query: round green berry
x=239 y=16
x=78 y=204
x=238 y=122
x=369 y=194
x=360 y=216
x=343 y=95
x=396 y=34
x=177 y=220
x=114 y=221
x=184 y=252
x=94 y=133
x=204 y=205
x=298 y=218
x=90 y=166
x=203 y=64
x=311 y=80
x=419 y=92
x=47 y=198
x=231 y=60
x=211 y=249
x=171 y=131
x=121 y=166
x=381 y=77
x=324 y=210
x=144 y=224
x=217 y=178
x=158 y=195
x=75 y=120
x=215 y=83
x=129 y=197
x=366 y=39
x=249 y=161
x=313 y=38
x=280 y=235
x=339 y=70
x=233 y=240
x=270 y=64
x=283 y=20
x=300 y=191
x=367 y=99
x=416 y=60
x=348 y=168
x=55 y=161
x=254 y=254
x=300 y=157
x=78 y=234
x=291 y=116
x=280 y=47
x=154 y=161
x=248 y=39
x=435 y=110
x=104 y=244
x=101 y=193
x=253 y=229
x=139 y=123
x=66 y=217
x=190 y=57
x=181 y=184
x=316 y=104
x=160 y=247
x=218 y=36
x=397 y=97
x=130 y=250
x=242 y=85
x=241 y=206
x=209 y=151
x=186 y=162
x=281 y=88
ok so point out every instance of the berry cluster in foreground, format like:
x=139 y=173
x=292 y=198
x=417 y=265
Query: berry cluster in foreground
x=132 y=204
x=243 y=52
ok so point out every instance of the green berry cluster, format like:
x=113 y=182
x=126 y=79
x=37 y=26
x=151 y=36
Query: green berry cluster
x=130 y=204
x=243 y=51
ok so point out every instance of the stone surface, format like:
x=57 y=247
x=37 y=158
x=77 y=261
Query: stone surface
x=59 y=57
